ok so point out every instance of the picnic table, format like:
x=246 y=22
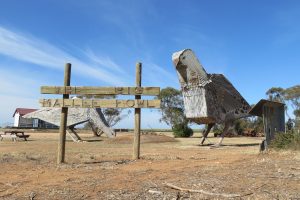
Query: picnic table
x=14 y=135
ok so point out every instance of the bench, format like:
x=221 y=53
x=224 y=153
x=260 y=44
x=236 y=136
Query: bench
x=23 y=136
x=13 y=137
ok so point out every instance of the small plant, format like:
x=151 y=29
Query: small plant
x=289 y=140
x=182 y=130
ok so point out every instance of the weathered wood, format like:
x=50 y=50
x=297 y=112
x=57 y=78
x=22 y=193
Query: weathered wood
x=91 y=104
x=63 y=120
x=137 y=115
x=99 y=103
x=273 y=114
x=82 y=90
x=75 y=116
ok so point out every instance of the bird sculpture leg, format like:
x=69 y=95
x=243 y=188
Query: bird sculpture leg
x=75 y=136
x=227 y=125
x=209 y=126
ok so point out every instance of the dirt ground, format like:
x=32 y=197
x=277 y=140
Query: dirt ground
x=102 y=169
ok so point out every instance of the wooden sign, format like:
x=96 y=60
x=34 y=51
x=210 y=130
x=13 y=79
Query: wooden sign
x=82 y=90
x=99 y=103
x=66 y=103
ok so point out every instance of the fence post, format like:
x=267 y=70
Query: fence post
x=137 y=115
x=63 y=120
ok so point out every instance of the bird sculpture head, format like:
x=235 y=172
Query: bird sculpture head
x=192 y=77
x=189 y=69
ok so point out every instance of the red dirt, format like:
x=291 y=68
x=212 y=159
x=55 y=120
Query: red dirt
x=103 y=169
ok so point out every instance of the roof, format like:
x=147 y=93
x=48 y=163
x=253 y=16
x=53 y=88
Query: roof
x=24 y=111
x=258 y=108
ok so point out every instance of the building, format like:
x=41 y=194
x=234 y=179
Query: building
x=273 y=117
x=21 y=122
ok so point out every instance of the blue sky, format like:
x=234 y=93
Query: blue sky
x=256 y=44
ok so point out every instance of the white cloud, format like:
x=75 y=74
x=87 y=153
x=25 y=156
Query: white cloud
x=33 y=50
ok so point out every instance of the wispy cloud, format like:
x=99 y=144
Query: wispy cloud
x=157 y=74
x=34 y=50
x=103 y=61
x=10 y=84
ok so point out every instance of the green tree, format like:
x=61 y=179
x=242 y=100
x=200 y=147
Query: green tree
x=276 y=94
x=292 y=94
x=172 y=109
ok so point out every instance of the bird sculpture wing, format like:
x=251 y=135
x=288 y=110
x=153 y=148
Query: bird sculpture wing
x=52 y=115
x=230 y=101
x=75 y=116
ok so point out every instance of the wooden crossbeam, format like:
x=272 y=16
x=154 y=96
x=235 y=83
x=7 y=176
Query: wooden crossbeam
x=82 y=90
x=99 y=103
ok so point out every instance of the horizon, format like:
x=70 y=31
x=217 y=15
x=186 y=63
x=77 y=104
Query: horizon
x=254 y=44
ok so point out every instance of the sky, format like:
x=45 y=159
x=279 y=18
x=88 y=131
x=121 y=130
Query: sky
x=255 y=44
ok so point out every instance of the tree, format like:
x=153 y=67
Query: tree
x=276 y=94
x=292 y=94
x=172 y=109
x=114 y=115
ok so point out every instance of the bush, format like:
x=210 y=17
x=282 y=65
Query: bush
x=217 y=130
x=240 y=126
x=289 y=140
x=182 y=130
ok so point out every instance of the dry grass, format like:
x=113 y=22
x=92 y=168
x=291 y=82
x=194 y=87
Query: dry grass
x=103 y=169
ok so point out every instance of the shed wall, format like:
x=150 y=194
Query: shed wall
x=274 y=121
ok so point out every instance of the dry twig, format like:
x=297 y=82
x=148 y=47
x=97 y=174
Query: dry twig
x=155 y=192
x=202 y=191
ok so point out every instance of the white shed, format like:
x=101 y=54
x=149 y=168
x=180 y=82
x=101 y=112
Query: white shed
x=20 y=121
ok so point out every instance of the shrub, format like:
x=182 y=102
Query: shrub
x=182 y=130
x=289 y=140
x=240 y=126
x=218 y=129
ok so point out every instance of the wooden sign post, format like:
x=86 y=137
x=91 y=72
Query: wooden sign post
x=66 y=103
x=137 y=115
x=63 y=119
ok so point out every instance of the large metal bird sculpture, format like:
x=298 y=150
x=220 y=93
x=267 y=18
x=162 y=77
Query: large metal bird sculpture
x=208 y=98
